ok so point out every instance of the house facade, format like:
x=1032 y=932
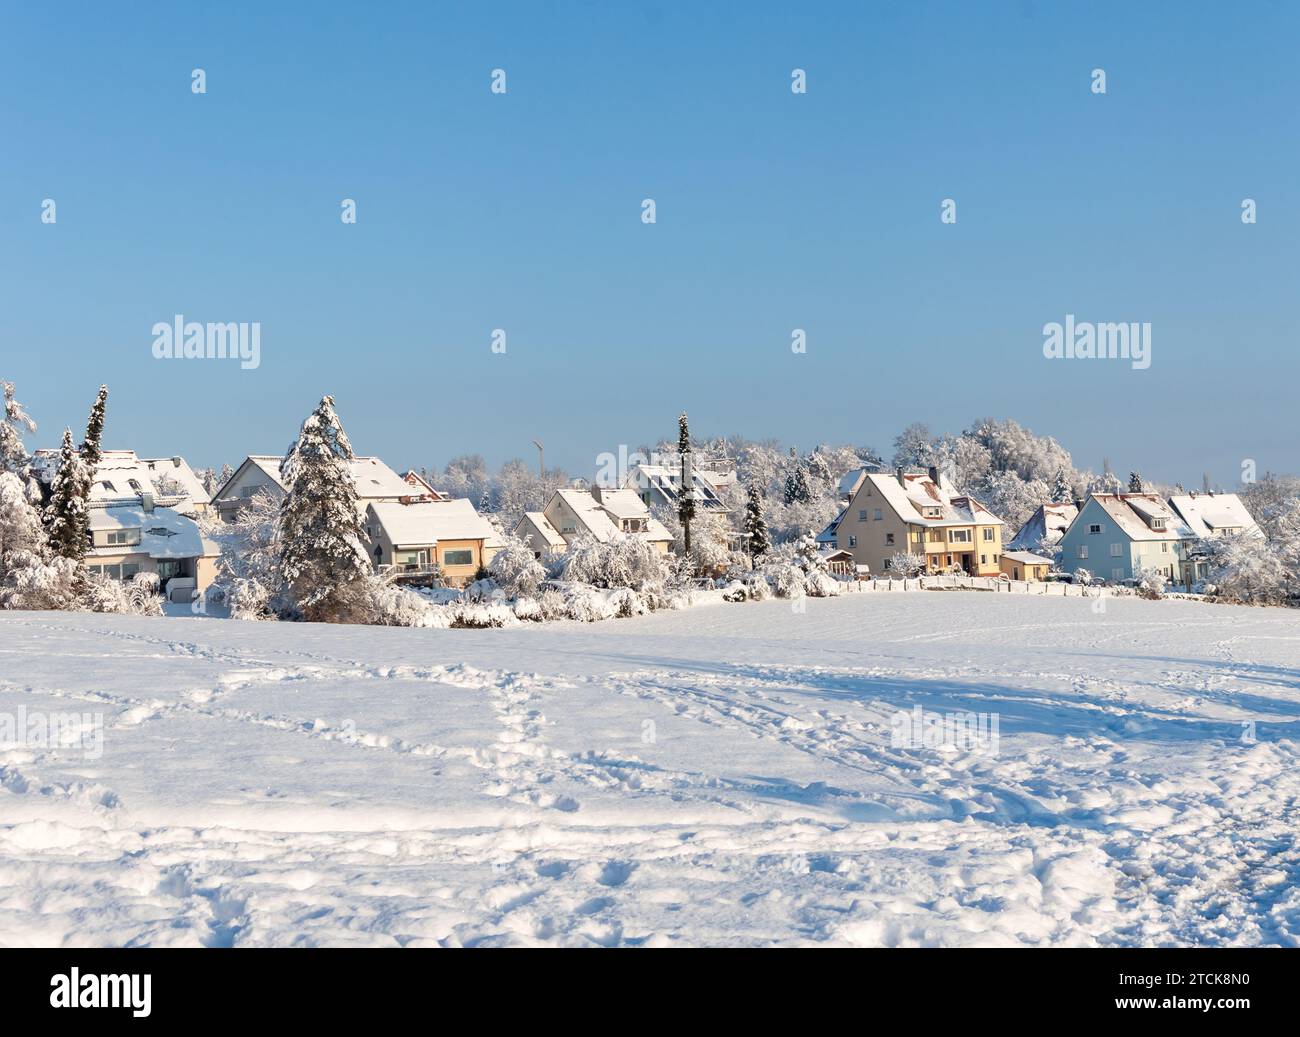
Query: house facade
x=1025 y=566
x=660 y=486
x=599 y=513
x=424 y=539
x=920 y=515
x=1210 y=516
x=129 y=537
x=1115 y=535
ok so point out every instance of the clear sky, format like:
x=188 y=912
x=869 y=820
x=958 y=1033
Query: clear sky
x=775 y=211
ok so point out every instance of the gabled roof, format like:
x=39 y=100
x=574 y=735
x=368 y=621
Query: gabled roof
x=421 y=485
x=921 y=494
x=374 y=479
x=176 y=469
x=602 y=522
x=164 y=533
x=1214 y=514
x=121 y=477
x=1047 y=524
x=542 y=524
x=827 y=535
x=425 y=523
x=668 y=482
x=1133 y=512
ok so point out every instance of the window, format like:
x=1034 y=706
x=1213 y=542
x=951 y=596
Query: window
x=1157 y=523
x=465 y=557
x=1164 y=547
x=130 y=569
x=108 y=486
x=988 y=532
x=135 y=486
x=119 y=537
x=862 y=515
x=889 y=539
x=1095 y=528
x=959 y=536
x=877 y=515
x=1081 y=551
x=853 y=541
x=1116 y=550
x=984 y=559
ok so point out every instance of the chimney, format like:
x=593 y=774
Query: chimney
x=595 y=492
x=933 y=472
x=146 y=502
x=1078 y=504
x=898 y=474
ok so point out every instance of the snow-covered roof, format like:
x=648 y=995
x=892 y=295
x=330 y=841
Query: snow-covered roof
x=924 y=502
x=668 y=482
x=430 y=522
x=827 y=535
x=849 y=483
x=164 y=532
x=374 y=479
x=1026 y=558
x=1046 y=525
x=413 y=479
x=176 y=469
x=598 y=522
x=542 y=524
x=1214 y=514
x=623 y=503
x=1133 y=513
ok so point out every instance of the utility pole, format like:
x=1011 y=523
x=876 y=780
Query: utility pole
x=541 y=459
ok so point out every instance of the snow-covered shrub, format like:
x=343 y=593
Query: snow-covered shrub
x=1245 y=568
x=623 y=561
x=735 y=591
x=30 y=581
x=904 y=565
x=528 y=609
x=1083 y=577
x=625 y=602
x=138 y=596
x=758 y=587
x=394 y=606
x=787 y=579
x=515 y=570
x=248 y=570
x=553 y=604
x=477 y=615
x=587 y=605
x=1151 y=581
x=821 y=584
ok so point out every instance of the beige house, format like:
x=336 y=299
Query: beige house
x=122 y=476
x=921 y=515
x=128 y=537
x=171 y=475
x=599 y=513
x=375 y=482
x=424 y=539
x=1026 y=566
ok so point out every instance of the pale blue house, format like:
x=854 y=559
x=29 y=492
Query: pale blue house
x=1116 y=534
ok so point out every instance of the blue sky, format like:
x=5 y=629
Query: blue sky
x=775 y=211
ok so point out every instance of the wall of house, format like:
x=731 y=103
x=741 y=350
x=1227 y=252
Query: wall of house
x=869 y=539
x=245 y=484
x=1028 y=572
x=460 y=573
x=539 y=543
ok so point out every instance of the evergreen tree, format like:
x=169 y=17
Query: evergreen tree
x=756 y=534
x=67 y=517
x=92 y=449
x=1134 y=482
x=1062 y=493
x=797 y=490
x=686 y=499
x=322 y=562
x=13 y=422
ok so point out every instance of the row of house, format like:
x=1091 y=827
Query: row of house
x=1113 y=536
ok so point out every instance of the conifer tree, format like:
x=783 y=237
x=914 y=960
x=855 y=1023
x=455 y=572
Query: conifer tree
x=322 y=562
x=67 y=517
x=1062 y=493
x=13 y=422
x=756 y=534
x=92 y=447
x=686 y=499
x=1134 y=482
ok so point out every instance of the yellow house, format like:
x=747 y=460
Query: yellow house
x=1025 y=565
x=446 y=538
x=920 y=515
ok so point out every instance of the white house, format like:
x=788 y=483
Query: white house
x=374 y=480
x=128 y=537
x=599 y=513
x=1208 y=516
x=661 y=486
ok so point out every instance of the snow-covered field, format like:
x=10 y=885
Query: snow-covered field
x=722 y=775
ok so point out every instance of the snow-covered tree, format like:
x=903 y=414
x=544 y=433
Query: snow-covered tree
x=686 y=499
x=623 y=561
x=248 y=572
x=1246 y=568
x=757 y=537
x=1062 y=491
x=797 y=490
x=92 y=450
x=323 y=565
x=67 y=516
x=1135 y=482
x=14 y=421
x=514 y=569
x=901 y=563
x=914 y=447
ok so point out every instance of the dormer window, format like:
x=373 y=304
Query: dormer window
x=135 y=486
x=1157 y=523
x=108 y=486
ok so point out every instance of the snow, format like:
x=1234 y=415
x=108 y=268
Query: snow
x=719 y=775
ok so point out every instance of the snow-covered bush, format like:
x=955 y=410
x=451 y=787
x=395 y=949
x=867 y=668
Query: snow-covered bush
x=735 y=591
x=587 y=605
x=248 y=571
x=1083 y=577
x=1151 y=581
x=514 y=569
x=394 y=606
x=477 y=614
x=625 y=602
x=528 y=609
x=137 y=597
x=1245 y=568
x=904 y=565
x=30 y=581
x=788 y=580
x=623 y=561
